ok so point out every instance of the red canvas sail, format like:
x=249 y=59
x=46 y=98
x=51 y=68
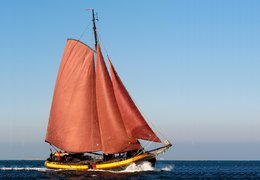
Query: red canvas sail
x=73 y=124
x=134 y=122
x=113 y=132
x=89 y=111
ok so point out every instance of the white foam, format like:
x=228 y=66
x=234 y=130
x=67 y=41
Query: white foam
x=167 y=168
x=22 y=169
x=144 y=166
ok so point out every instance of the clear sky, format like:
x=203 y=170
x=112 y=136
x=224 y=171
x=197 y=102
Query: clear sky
x=193 y=68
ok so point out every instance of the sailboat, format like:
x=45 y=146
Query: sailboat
x=93 y=122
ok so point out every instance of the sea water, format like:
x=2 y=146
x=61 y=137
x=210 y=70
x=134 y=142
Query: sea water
x=163 y=170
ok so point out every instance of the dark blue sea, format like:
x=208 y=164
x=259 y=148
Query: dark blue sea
x=163 y=170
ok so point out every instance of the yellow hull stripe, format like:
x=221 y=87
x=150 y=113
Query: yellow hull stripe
x=121 y=163
x=54 y=165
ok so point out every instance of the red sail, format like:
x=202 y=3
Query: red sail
x=73 y=124
x=135 y=124
x=113 y=133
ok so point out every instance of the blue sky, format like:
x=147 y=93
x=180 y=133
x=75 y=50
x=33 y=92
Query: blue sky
x=193 y=68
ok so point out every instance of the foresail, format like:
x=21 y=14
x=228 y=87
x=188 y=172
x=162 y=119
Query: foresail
x=113 y=132
x=73 y=122
x=134 y=122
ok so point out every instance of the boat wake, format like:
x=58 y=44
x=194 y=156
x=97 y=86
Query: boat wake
x=22 y=169
x=167 y=168
x=145 y=166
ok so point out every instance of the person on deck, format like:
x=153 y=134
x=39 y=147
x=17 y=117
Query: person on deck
x=58 y=157
x=51 y=155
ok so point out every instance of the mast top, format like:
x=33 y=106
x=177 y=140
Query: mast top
x=94 y=19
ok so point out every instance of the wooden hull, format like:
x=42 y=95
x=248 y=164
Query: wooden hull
x=105 y=165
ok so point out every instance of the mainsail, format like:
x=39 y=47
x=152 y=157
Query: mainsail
x=92 y=111
x=73 y=124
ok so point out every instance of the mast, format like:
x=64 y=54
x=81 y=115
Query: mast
x=94 y=27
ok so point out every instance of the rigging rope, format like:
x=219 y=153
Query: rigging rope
x=84 y=31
